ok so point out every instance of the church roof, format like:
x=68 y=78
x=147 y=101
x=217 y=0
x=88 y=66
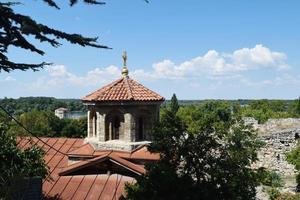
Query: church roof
x=123 y=89
x=75 y=181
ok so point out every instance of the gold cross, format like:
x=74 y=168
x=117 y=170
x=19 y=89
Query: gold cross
x=124 y=56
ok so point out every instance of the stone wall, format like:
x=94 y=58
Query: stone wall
x=101 y=118
x=273 y=155
x=279 y=136
x=274 y=125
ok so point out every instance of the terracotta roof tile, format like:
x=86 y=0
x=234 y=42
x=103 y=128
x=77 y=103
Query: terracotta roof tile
x=124 y=89
x=60 y=185
x=95 y=186
x=84 y=150
x=143 y=153
x=84 y=187
x=71 y=188
x=111 y=186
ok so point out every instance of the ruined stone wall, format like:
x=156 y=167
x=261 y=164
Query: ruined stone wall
x=273 y=155
x=274 y=125
x=279 y=136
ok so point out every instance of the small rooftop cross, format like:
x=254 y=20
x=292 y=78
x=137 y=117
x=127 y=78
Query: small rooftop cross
x=124 y=70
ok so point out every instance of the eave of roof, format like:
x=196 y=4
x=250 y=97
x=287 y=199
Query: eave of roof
x=108 y=156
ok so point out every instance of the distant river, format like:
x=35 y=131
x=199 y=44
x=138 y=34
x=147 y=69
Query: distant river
x=75 y=114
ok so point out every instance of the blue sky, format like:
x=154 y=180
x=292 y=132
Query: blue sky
x=197 y=49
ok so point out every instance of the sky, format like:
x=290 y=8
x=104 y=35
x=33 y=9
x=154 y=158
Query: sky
x=216 y=49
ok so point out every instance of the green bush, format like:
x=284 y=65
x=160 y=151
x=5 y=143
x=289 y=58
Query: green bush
x=273 y=193
x=271 y=178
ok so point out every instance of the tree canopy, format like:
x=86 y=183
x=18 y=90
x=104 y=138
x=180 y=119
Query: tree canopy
x=207 y=156
x=16 y=163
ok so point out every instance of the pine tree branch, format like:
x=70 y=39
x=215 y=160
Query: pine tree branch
x=51 y=3
x=7 y=66
x=15 y=27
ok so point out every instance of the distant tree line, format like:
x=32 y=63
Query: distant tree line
x=45 y=123
x=26 y=104
x=262 y=110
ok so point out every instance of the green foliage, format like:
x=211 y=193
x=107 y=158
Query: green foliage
x=26 y=104
x=293 y=157
x=288 y=196
x=271 y=178
x=273 y=193
x=262 y=110
x=174 y=106
x=45 y=123
x=297 y=107
x=15 y=163
x=206 y=153
x=74 y=128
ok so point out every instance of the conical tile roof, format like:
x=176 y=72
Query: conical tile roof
x=123 y=89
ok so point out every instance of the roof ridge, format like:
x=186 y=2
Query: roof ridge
x=82 y=164
x=127 y=163
x=129 y=91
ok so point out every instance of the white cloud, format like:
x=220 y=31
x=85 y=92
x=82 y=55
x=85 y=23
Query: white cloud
x=9 y=78
x=281 y=80
x=212 y=66
x=214 y=63
x=60 y=76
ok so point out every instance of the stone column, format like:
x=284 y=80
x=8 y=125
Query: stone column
x=89 y=125
x=101 y=127
x=94 y=125
x=128 y=132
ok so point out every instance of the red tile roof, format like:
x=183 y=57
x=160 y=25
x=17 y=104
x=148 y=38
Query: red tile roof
x=62 y=185
x=85 y=150
x=108 y=156
x=123 y=89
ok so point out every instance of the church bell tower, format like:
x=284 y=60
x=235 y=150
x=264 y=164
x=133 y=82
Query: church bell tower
x=121 y=114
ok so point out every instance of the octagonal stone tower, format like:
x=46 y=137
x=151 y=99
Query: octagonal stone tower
x=121 y=114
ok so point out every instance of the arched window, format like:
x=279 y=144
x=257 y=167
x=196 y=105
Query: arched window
x=115 y=128
x=140 y=133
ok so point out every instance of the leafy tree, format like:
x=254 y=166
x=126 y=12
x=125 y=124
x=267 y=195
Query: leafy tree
x=298 y=106
x=15 y=28
x=45 y=123
x=74 y=128
x=26 y=104
x=208 y=157
x=16 y=163
x=174 y=106
x=270 y=178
